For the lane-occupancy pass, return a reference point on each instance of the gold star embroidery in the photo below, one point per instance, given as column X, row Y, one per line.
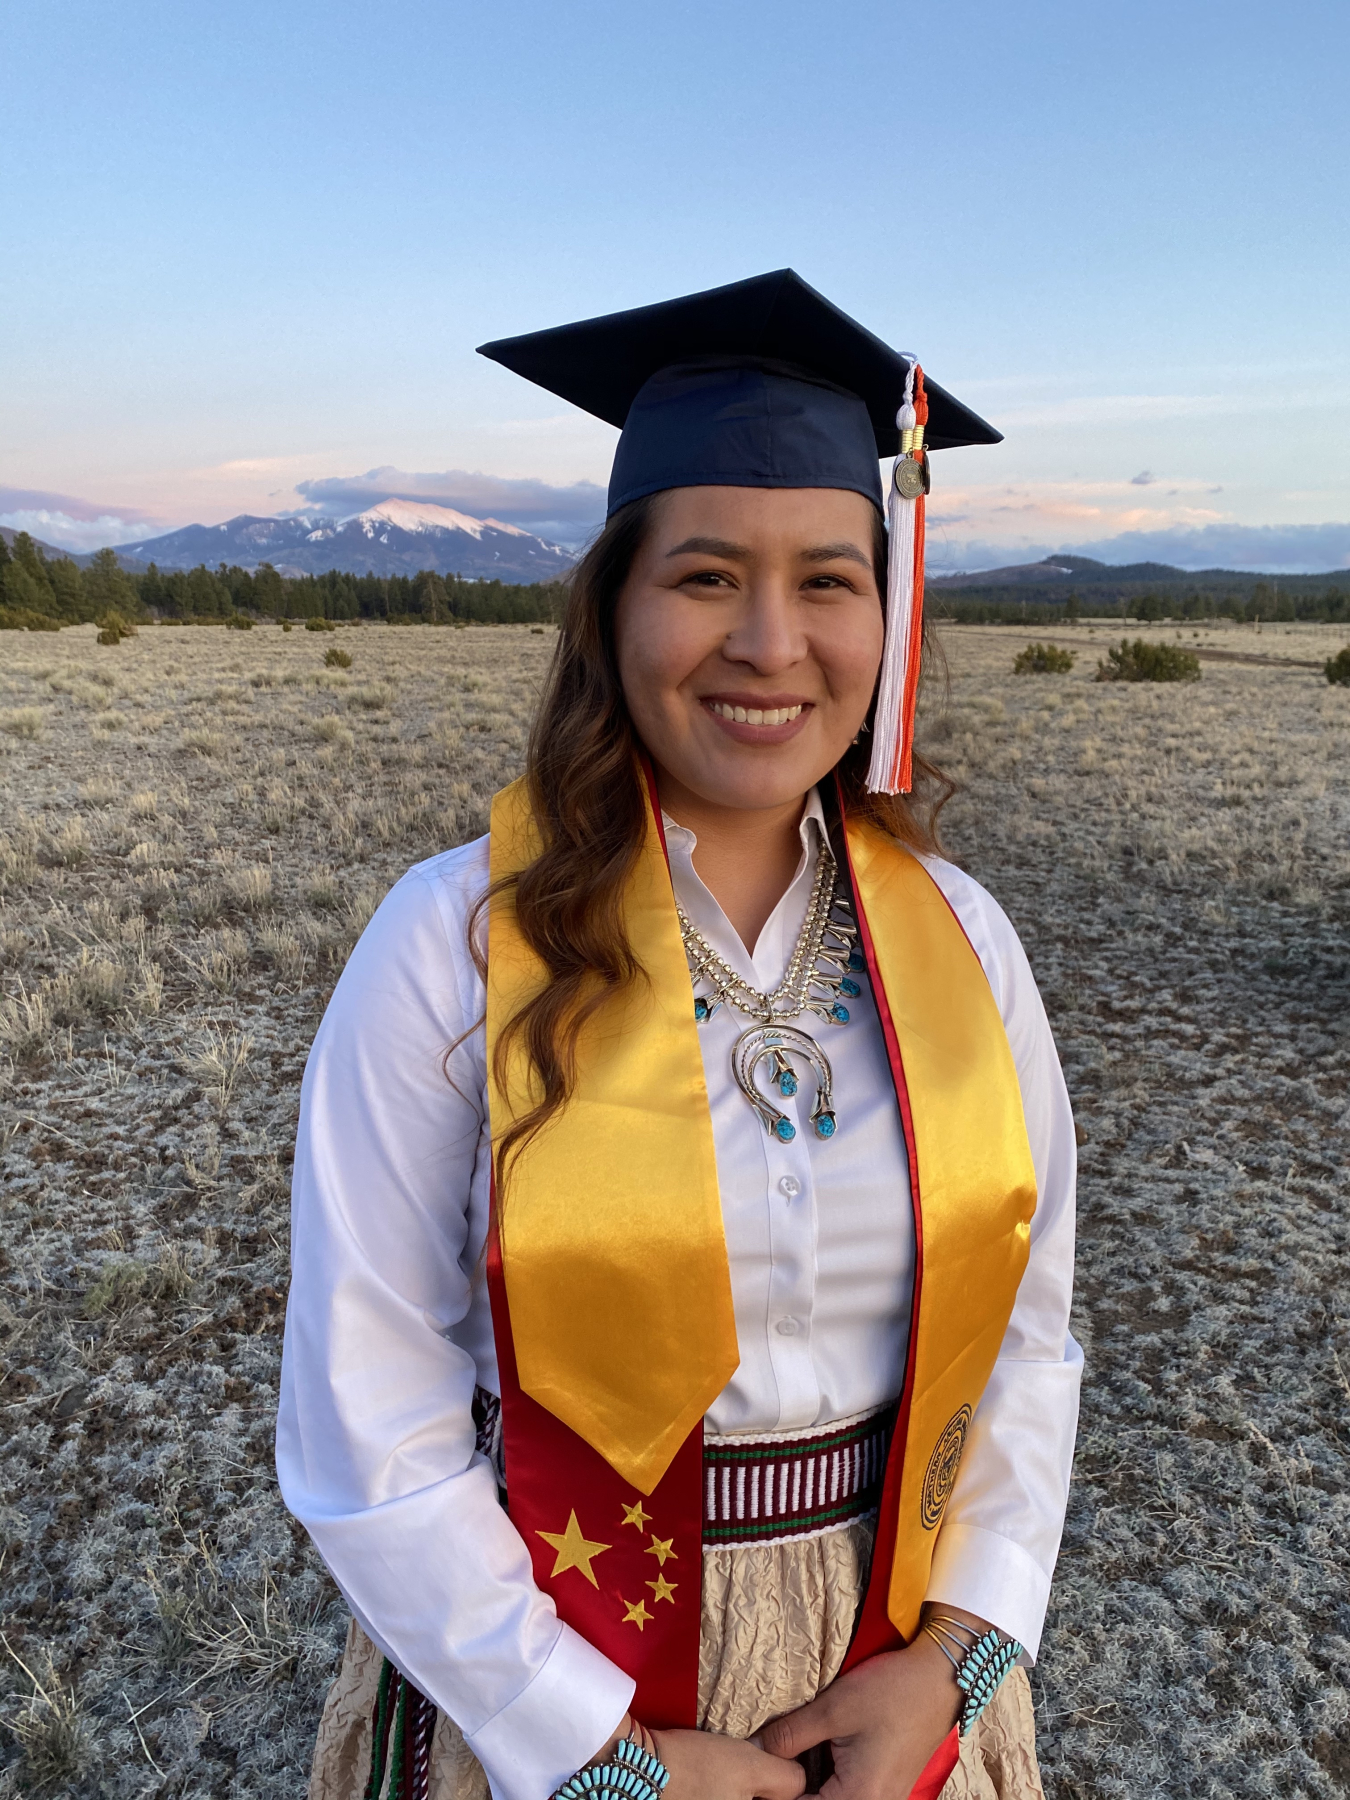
column 663, row 1589
column 660, row 1548
column 635, row 1615
column 635, row 1515
column 574, row 1550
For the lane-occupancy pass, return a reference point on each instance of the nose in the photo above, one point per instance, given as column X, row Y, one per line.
column 768, row 635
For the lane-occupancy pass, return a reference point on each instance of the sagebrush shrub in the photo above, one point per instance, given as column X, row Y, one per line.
column 337, row 659
column 320, row 625
column 1044, row 659
column 1140, row 661
column 20, row 618
column 113, row 627
column 1338, row 668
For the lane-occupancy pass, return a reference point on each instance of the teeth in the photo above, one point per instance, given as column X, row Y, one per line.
column 781, row 715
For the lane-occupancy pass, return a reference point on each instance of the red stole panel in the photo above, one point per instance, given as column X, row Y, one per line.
column 624, row 1569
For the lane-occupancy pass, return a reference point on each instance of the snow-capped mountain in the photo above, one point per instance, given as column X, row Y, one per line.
column 397, row 537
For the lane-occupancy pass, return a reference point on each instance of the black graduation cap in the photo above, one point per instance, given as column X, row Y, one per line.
column 763, row 383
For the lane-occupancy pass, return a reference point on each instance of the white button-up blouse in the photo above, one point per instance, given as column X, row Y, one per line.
column 388, row 1328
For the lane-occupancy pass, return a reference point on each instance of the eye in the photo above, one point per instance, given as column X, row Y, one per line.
column 709, row 578
column 825, row 583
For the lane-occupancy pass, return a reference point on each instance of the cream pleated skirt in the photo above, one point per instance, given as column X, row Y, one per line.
column 777, row 1620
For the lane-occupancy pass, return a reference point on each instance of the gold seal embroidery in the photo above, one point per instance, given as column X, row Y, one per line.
column 940, row 1476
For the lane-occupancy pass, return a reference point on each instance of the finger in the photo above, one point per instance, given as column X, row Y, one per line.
column 796, row 1731
column 775, row 1779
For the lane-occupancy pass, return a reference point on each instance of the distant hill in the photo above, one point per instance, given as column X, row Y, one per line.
column 50, row 551
column 1052, row 580
column 397, row 537
column 1075, row 570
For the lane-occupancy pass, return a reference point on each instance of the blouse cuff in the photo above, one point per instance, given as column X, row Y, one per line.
column 993, row 1578
column 573, row 1705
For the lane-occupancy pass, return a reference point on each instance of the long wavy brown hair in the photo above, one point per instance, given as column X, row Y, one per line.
column 585, row 788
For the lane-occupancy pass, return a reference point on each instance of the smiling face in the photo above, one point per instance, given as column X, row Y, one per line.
column 749, row 636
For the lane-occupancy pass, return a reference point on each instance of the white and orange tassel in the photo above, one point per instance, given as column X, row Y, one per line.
column 892, row 766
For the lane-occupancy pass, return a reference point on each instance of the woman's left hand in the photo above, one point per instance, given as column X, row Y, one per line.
column 883, row 1720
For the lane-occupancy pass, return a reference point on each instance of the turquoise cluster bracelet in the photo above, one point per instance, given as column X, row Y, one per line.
column 629, row 1773
column 980, row 1666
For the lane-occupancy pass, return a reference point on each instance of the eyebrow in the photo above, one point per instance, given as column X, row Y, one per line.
column 710, row 546
column 819, row 553
column 832, row 552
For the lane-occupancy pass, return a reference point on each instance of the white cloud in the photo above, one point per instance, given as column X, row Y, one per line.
column 65, row 533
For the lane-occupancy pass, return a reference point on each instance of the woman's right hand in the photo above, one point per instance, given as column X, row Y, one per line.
column 704, row 1766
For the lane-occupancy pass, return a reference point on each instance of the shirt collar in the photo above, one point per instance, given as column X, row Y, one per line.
column 813, row 815
column 765, row 968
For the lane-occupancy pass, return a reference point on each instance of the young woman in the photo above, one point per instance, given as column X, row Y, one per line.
column 677, row 1378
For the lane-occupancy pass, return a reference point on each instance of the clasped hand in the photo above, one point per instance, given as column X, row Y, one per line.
column 883, row 1720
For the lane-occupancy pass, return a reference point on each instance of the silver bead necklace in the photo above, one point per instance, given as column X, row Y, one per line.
column 820, row 977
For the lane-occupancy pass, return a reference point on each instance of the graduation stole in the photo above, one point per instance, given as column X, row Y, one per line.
column 611, row 1294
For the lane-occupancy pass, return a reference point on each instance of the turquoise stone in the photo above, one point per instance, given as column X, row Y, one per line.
column 700, row 1011
column 785, row 1131
column 855, row 960
column 787, row 1084
column 840, row 1013
column 825, row 1125
column 850, row 988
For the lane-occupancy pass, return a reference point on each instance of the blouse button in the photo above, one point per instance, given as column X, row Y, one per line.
column 788, row 1327
column 790, row 1186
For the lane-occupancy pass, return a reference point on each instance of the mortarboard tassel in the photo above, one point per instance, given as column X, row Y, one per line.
column 891, row 770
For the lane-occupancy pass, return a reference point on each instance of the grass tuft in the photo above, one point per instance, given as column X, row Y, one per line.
column 24, row 722
column 218, row 1060
column 250, row 889
column 50, row 1729
column 376, row 697
column 26, row 1025
column 202, row 743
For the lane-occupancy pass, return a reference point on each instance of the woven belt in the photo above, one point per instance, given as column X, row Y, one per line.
column 779, row 1486
column 770, row 1487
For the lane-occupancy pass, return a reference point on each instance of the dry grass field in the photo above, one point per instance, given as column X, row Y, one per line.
column 197, row 823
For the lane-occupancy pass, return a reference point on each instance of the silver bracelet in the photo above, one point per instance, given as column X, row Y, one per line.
column 628, row 1773
column 982, row 1662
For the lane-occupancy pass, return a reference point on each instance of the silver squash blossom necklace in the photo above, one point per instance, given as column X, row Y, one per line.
column 819, row 979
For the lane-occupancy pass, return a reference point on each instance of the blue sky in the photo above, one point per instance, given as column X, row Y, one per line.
column 248, row 249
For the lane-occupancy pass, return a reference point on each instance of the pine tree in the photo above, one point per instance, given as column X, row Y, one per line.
column 68, row 596
column 429, row 597
column 152, row 589
column 108, row 587
column 268, row 591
